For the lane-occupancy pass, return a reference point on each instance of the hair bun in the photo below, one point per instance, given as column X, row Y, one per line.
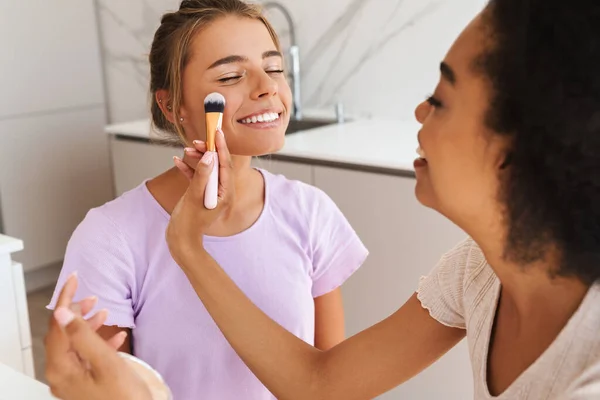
column 198, row 4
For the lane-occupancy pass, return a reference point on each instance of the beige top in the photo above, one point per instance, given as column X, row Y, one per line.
column 462, row 292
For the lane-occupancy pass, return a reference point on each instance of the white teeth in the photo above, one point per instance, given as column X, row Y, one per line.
column 421, row 153
column 266, row 117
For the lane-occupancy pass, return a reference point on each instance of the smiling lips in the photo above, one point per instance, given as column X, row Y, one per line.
column 267, row 116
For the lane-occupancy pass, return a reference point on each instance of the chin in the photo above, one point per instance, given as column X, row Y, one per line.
column 256, row 142
column 424, row 194
column 257, row 149
column 277, row 145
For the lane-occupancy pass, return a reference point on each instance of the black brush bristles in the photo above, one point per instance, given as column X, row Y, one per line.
column 214, row 103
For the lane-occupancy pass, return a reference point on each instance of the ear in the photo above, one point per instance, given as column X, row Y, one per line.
column 503, row 150
column 163, row 99
column 507, row 160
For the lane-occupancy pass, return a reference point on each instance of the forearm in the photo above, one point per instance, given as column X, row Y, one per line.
column 285, row 364
column 329, row 320
column 362, row 367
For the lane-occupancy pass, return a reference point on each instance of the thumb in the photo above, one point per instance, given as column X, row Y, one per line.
column 86, row 342
column 201, row 175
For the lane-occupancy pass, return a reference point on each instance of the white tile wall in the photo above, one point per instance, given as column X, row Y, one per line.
column 50, row 56
column 378, row 57
column 54, row 161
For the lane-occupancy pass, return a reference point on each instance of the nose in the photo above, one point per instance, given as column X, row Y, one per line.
column 265, row 86
column 422, row 111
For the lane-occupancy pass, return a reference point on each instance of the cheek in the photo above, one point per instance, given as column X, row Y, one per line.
column 463, row 181
column 447, row 156
column 285, row 92
column 232, row 104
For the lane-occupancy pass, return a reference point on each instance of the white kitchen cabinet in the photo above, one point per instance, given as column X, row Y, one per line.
column 405, row 241
column 135, row 161
column 15, row 335
column 291, row 170
column 53, row 169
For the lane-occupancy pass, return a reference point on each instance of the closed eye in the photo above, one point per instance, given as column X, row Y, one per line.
column 229, row 79
column 434, row 102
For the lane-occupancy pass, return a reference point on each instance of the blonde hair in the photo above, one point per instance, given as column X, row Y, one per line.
column 170, row 51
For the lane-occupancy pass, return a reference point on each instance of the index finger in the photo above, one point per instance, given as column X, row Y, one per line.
column 65, row 298
column 56, row 343
column 225, row 164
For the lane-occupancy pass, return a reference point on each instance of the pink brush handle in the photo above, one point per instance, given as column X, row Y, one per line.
column 212, row 187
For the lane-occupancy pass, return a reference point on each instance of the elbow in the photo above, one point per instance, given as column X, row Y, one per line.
column 314, row 385
column 319, row 387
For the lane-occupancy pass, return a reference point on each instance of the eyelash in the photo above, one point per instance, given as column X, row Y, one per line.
column 228, row 79
column 231, row 78
column 434, row 102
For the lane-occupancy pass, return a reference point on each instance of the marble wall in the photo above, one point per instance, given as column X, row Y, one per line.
column 378, row 57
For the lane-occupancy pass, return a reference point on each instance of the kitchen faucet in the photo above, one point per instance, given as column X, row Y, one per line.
column 295, row 58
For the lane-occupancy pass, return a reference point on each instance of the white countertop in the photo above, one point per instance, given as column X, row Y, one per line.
column 389, row 144
column 10, row 245
column 141, row 128
column 16, row 386
column 374, row 143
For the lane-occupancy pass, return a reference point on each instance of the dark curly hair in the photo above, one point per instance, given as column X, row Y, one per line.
column 544, row 69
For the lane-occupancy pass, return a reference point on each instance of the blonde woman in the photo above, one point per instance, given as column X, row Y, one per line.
column 285, row 243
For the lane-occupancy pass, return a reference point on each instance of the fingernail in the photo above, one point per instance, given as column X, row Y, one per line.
column 207, row 159
column 73, row 275
column 176, row 159
column 220, row 132
column 93, row 299
column 63, row 316
column 197, row 142
column 189, row 150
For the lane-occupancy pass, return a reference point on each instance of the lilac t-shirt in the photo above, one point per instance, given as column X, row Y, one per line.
column 301, row 247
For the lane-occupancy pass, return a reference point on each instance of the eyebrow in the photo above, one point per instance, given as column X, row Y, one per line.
column 447, row 73
column 240, row 59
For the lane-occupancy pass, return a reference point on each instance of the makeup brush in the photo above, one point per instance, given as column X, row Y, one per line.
column 214, row 106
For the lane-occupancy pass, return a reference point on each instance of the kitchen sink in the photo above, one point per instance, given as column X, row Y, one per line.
column 307, row 123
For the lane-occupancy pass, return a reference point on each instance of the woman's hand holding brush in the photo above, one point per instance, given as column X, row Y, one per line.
column 190, row 219
column 191, row 158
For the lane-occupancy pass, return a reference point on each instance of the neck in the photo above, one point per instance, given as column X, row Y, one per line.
column 532, row 290
column 244, row 179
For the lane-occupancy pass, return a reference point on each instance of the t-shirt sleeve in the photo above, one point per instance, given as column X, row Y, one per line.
column 441, row 292
column 99, row 253
column 337, row 251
